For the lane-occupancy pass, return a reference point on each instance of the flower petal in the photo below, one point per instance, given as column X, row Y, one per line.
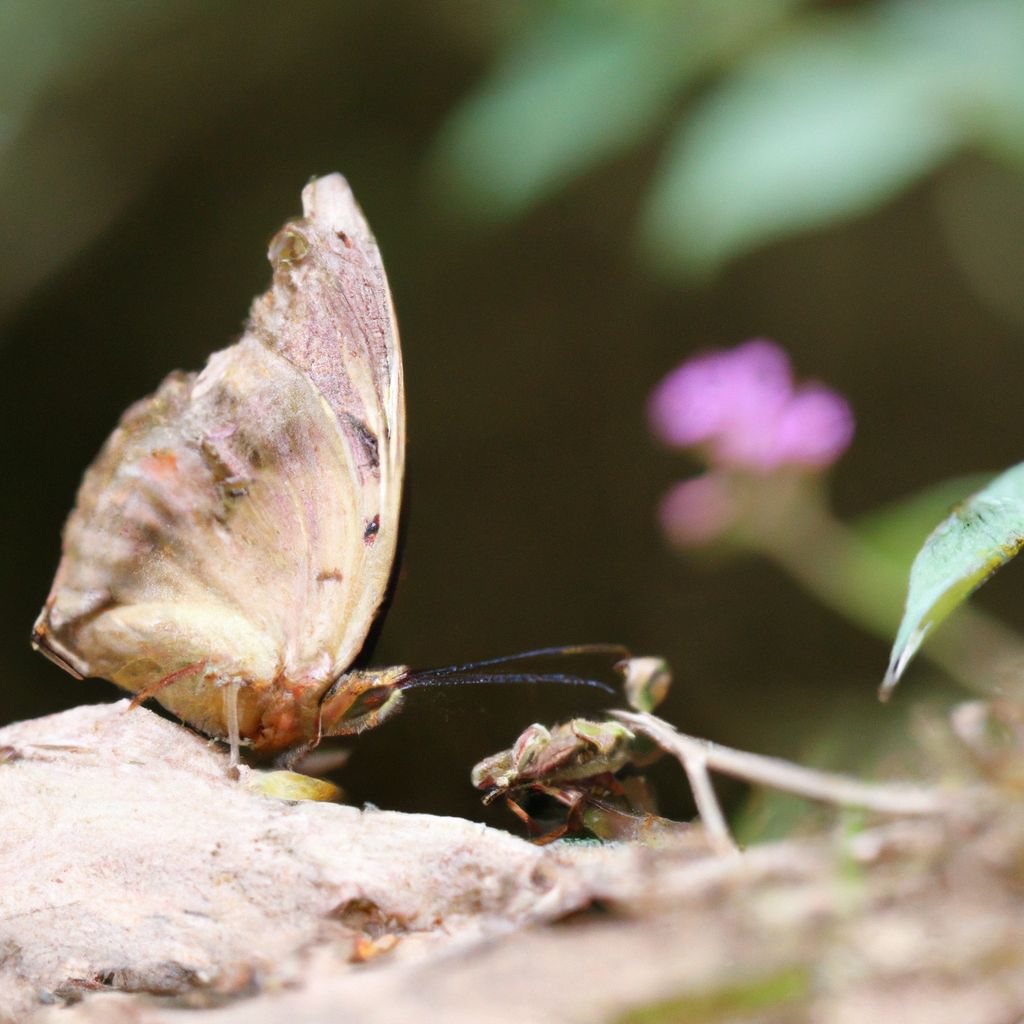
column 697, row 511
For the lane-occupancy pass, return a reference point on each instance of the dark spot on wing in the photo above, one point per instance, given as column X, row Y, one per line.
column 371, row 531
column 366, row 440
column 234, row 487
column 226, row 468
column 331, row 575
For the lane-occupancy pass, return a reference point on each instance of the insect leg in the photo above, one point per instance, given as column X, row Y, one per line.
column 516, row 808
column 162, row 684
column 231, row 718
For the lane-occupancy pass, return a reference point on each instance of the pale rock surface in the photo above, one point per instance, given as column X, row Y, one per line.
column 131, row 860
column 141, row 885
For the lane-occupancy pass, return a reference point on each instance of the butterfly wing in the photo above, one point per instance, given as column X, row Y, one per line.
column 239, row 527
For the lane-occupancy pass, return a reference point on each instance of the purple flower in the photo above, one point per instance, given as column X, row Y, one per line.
column 743, row 408
column 697, row 511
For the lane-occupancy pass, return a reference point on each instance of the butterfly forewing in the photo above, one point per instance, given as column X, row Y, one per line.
column 240, row 525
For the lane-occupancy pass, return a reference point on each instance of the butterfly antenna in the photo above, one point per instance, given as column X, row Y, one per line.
column 450, row 677
column 617, row 651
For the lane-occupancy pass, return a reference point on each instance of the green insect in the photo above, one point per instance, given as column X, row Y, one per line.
column 581, row 765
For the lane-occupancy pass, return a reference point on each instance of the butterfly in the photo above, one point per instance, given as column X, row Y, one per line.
column 233, row 543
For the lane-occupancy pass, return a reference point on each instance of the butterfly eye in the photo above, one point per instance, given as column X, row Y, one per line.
column 287, row 247
column 347, row 707
column 374, row 698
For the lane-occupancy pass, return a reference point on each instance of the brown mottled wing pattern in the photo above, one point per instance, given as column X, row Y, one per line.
column 241, row 524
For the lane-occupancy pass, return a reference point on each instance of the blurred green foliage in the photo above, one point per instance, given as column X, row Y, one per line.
column 580, row 82
column 762, row 119
column 774, row 116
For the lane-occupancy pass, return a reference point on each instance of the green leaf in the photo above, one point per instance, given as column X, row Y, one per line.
column 898, row 529
column 975, row 540
column 582, row 83
column 827, row 122
column 982, row 45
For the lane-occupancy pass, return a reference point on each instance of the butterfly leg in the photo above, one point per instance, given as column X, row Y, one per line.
column 288, row 760
column 162, row 684
column 230, row 691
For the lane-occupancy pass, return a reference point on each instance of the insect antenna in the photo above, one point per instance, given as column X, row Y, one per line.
column 618, row 651
column 417, row 679
column 501, row 670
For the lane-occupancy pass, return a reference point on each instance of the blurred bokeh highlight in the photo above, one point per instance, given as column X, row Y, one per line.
column 572, row 199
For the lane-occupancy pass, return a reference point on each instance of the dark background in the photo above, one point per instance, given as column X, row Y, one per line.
column 153, row 155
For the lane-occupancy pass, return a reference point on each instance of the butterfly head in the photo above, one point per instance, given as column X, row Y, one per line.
column 361, row 700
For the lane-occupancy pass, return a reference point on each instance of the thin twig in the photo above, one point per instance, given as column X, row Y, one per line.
column 828, row 787
column 710, row 811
